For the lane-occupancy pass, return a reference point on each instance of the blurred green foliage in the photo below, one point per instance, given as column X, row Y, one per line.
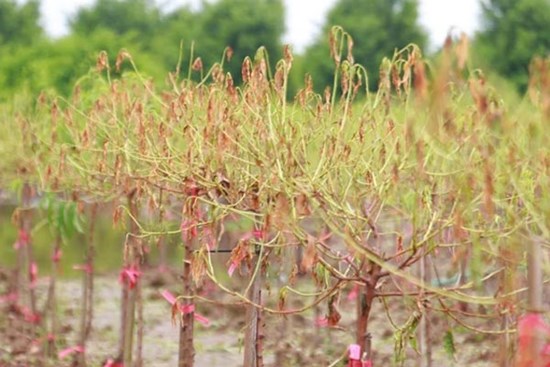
column 43, row 240
column 243, row 25
column 140, row 19
column 513, row 32
column 19, row 25
column 161, row 42
column 378, row 27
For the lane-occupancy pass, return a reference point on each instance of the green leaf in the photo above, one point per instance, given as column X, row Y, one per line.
column 77, row 223
column 69, row 213
column 58, row 211
column 449, row 344
column 72, row 220
column 16, row 186
column 405, row 335
column 414, row 343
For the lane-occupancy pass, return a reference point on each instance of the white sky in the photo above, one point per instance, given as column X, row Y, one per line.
column 304, row 17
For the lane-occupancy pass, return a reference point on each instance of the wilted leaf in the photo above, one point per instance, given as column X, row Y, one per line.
column 310, row 254
column 198, row 268
column 281, row 211
column 334, row 318
column 302, row 205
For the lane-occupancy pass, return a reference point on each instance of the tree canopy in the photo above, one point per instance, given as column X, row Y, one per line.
column 513, row 32
column 19, row 24
column 243, row 25
column 140, row 17
column 378, row 27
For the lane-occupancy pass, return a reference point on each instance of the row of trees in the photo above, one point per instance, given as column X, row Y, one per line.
column 513, row 31
column 415, row 200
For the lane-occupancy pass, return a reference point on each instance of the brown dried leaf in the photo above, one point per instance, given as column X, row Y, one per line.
column 198, row 268
column 281, row 211
column 302, row 205
column 462, row 51
column 102, row 62
column 310, row 255
column 175, row 312
column 122, row 55
column 228, row 53
column 350, row 50
column 246, row 70
column 239, row 253
column 334, row 315
column 117, row 215
column 197, row 64
column 420, row 79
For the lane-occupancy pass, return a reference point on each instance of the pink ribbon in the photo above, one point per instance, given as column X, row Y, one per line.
column 23, row 239
column 33, row 273
column 111, row 363
column 71, row 350
column 352, row 295
column 532, row 326
column 321, row 322
column 188, row 229
column 355, row 360
column 185, row 309
column 232, row 268
column 258, row 234
column 129, row 276
column 29, row 316
column 57, row 255
column 10, row 297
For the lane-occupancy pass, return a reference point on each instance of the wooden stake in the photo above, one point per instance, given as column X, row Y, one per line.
column 424, row 327
column 253, row 356
column 132, row 259
column 88, row 289
column 186, row 347
column 534, row 296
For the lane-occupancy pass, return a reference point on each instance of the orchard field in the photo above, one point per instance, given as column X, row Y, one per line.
column 204, row 221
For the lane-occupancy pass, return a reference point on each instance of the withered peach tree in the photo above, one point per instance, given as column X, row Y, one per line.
column 418, row 196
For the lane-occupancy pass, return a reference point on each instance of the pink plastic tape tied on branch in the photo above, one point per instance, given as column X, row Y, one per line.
column 355, row 360
column 185, row 309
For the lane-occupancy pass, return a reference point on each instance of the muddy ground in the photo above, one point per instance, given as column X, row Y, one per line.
column 291, row 341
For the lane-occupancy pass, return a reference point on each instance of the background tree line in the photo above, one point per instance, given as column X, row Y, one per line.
column 512, row 32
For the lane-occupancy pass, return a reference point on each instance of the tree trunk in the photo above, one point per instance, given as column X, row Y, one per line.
column 424, row 329
column 23, row 271
column 367, row 294
column 88, row 289
column 139, row 342
column 253, row 356
column 51, row 304
column 534, row 297
column 132, row 260
column 186, row 347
